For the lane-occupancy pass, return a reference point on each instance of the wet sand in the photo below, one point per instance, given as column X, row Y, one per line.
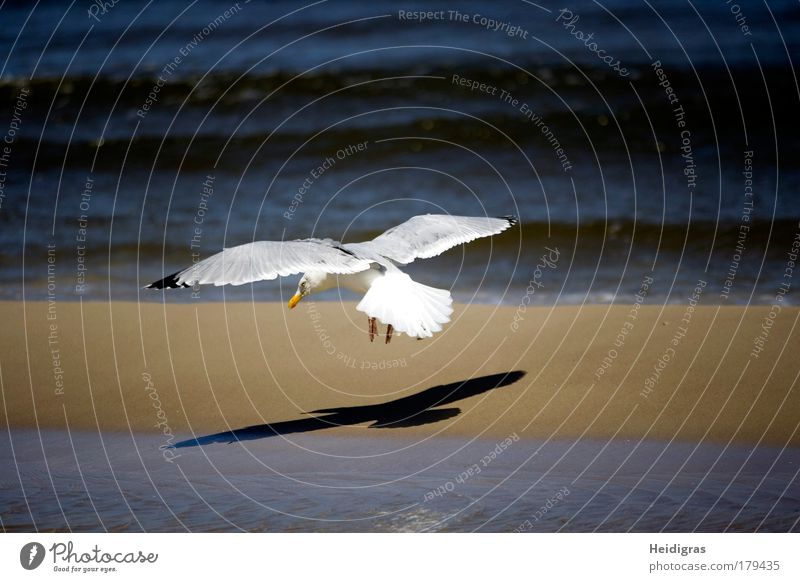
column 85, row 481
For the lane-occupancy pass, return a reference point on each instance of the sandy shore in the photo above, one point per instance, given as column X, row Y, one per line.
column 596, row 371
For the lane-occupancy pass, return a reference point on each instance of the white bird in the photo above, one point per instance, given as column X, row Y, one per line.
column 370, row 267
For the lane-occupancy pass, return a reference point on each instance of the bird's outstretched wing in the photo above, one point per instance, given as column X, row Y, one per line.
column 266, row 260
column 429, row 235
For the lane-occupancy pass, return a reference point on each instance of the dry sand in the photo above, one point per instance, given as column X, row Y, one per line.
column 209, row 367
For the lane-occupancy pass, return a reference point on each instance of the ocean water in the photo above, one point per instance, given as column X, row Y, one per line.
column 85, row 481
column 150, row 134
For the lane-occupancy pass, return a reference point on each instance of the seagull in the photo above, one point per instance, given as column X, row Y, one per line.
column 369, row 267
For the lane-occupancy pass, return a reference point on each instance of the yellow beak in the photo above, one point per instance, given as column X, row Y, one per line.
column 295, row 300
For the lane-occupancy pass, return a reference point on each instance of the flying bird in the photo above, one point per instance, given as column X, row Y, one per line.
column 369, row 267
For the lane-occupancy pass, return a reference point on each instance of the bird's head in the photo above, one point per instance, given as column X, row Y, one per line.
column 309, row 283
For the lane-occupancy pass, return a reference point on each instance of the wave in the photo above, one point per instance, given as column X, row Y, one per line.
column 668, row 237
column 204, row 112
column 232, row 88
column 613, row 235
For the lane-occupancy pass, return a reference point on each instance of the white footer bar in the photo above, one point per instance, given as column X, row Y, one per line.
column 376, row 557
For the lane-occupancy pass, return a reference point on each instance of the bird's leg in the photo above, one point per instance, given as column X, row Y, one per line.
column 373, row 328
column 389, row 331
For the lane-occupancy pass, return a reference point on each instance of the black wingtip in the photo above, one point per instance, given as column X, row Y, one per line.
column 512, row 220
column 169, row 282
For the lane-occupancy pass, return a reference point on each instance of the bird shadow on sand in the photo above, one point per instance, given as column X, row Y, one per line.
column 414, row 410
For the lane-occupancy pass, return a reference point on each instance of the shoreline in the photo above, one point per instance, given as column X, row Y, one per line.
column 589, row 372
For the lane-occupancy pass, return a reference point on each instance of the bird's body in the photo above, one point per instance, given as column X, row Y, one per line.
column 369, row 267
column 356, row 282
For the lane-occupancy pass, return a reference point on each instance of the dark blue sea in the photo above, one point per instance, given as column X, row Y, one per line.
column 640, row 139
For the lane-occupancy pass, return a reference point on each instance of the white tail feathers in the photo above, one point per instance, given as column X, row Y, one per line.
column 411, row 308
